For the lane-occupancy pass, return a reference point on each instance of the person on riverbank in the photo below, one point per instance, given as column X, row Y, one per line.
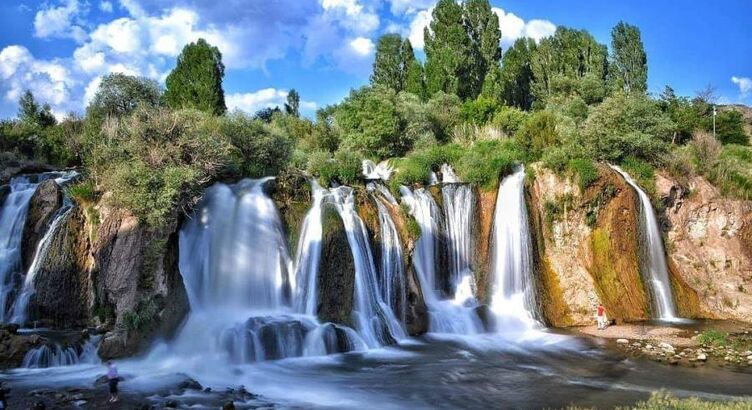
column 112, row 380
column 600, row 317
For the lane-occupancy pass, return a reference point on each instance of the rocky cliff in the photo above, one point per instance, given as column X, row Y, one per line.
column 709, row 244
column 47, row 199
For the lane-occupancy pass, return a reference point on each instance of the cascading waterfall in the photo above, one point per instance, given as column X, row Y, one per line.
column 514, row 292
column 57, row 355
column 454, row 315
column 374, row 171
column 308, row 254
column 20, row 307
column 459, row 203
column 12, row 220
column 375, row 320
column 392, row 283
column 241, row 284
column 653, row 261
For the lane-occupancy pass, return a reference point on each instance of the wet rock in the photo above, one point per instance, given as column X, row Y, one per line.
column 336, row 276
column 702, row 357
column 487, row 318
column 171, row 404
column 190, row 384
column 45, row 201
column 667, row 348
column 228, row 405
column 622, row 341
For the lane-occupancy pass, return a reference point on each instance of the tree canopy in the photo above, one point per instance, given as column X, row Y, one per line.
column 196, row 81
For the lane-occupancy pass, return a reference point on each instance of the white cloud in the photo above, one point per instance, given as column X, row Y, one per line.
column 513, row 27
column 267, row 97
column 409, row 6
column 50, row 81
column 744, row 84
column 61, row 21
column 363, row 46
column 417, row 26
column 105, row 6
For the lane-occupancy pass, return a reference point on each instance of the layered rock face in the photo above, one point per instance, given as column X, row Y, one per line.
column 46, row 200
column 587, row 248
column 336, row 276
column 709, row 244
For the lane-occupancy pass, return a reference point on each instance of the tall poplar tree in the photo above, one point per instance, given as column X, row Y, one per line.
column 517, row 74
column 412, row 73
column 196, row 81
column 482, row 26
column 629, row 63
column 387, row 65
column 448, row 51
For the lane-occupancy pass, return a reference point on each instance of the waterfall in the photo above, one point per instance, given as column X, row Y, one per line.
column 454, row 315
column 653, row 261
column 375, row 320
column 459, row 206
column 43, row 248
column 372, row 171
column 57, row 355
column 12, row 220
column 513, row 299
column 308, row 254
column 247, row 302
column 392, row 283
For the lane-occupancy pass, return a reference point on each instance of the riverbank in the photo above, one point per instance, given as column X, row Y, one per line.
column 724, row 343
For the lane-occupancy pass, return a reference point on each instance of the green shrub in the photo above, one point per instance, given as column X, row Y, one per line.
column 343, row 168
column 713, row 337
column 143, row 317
column 416, row 167
column 538, row 133
column 484, row 162
column 733, row 171
column 262, row 150
column 509, row 119
column 642, row 172
column 83, row 191
column 478, row 111
column 585, row 171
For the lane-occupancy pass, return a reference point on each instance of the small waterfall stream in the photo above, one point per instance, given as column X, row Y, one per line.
column 459, row 205
column 308, row 254
column 57, row 355
column 513, row 299
column 653, row 261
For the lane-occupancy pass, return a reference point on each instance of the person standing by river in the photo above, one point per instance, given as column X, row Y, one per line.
column 112, row 380
column 600, row 316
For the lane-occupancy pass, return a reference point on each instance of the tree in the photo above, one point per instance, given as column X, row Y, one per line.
column 482, row 26
column 413, row 81
column 119, row 94
column 292, row 106
column 266, row 114
column 30, row 113
column 730, row 127
column 628, row 68
column 516, row 75
column 196, row 81
column 387, row 65
column 448, row 51
column 561, row 61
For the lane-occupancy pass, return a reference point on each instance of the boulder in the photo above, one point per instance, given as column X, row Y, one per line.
column 336, row 276
column 622, row 341
column 44, row 203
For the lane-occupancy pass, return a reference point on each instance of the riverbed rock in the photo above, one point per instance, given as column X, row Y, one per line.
column 336, row 276
column 14, row 346
column 702, row 357
column 622, row 341
column 44, row 203
column 709, row 245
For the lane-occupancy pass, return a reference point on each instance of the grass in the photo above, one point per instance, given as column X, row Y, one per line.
column 584, row 170
column 713, row 337
column 733, row 171
column 662, row 400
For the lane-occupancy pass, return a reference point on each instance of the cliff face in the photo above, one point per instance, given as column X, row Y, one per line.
column 709, row 245
column 336, row 276
column 44, row 203
column 484, row 221
column 586, row 246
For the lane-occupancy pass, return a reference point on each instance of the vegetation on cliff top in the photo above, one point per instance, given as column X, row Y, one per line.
column 567, row 101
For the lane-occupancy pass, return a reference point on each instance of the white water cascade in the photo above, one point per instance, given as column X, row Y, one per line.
column 57, row 355
column 513, row 300
column 12, row 220
column 308, row 254
column 373, row 171
column 459, row 205
column 393, row 285
column 241, row 285
column 653, row 261
column 453, row 315
column 376, row 322
column 43, row 248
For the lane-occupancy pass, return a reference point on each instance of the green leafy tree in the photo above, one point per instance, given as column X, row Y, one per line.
column 196, row 81
column 492, row 85
column 119, row 94
column 729, row 125
column 628, row 68
column 30, row 112
column 292, row 106
column 538, row 133
column 482, row 26
column 387, row 65
column 516, row 75
column 413, row 78
column 448, row 52
column 479, row 111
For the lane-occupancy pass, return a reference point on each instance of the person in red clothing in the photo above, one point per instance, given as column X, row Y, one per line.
column 601, row 316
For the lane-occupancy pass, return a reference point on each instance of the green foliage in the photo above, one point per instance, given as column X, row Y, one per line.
column 143, row 317
column 119, row 94
column 642, row 172
column 478, row 111
column 416, row 167
column 444, row 112
column 196, row 81
column 343, row 168
column 292, row 106
column 509, row 119
column 30, row 113
column 83, row 191
column 729, row 125
column 484, row 162
column 628, row 68
column 627, row 126
column 713, row 337
column 262, row 150
column 450, row 61
column 687, row 115
column 482, row 26
column 388, row 70
column 517, row 74
column 538, row 133
column 585, row 171
column 733, row 171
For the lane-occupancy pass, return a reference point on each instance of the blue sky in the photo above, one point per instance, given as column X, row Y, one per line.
column 61, row 48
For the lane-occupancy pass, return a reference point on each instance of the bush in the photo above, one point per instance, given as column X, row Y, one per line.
column 83, row 191
column 262, row 150
column 509, row 119
column 444, row 113
column 713, row 337
column 730, row 127
column 344, row 168
column 642, row 172
column 706, row 150
column 416, row 167
column 538, row 133
column 733, row 172
column 478, row 111
column 484, row 162
column 585, row 171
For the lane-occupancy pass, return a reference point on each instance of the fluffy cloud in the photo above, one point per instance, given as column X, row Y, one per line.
column 50, row 80
column 362, row 46
column 744, row 84
column 267, row 97
column 61, row 21
column 105, row 6
column 409, row 6
column 513, row 27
